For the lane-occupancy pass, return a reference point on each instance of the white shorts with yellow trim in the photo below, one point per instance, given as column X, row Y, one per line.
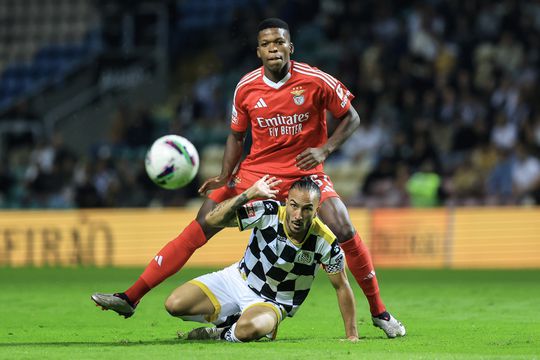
column 230, row 294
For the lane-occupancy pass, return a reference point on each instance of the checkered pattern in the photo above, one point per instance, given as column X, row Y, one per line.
column 277, row 268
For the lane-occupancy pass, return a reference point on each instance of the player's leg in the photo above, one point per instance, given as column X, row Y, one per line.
column 172, row 257
column 169, row 260
column 255, row 322
column 231, row 296
column 190, row 300
column 335, row 215
column 210, row 299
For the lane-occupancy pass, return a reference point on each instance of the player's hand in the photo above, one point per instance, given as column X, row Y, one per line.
column 265, row 188
column 212, row 183
column 311, row 157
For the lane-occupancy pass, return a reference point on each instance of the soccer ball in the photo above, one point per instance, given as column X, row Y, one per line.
column 172, row 162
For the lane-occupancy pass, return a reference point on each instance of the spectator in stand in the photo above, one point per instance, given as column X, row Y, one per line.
column 526, row 176
column 499, row 182
column 504, row 133
column 424, row 186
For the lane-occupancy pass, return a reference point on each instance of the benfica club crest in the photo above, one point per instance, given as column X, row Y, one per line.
column 298, row 95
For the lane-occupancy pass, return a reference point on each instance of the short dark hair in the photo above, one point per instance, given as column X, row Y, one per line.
column 306, row 183
column 272, row 23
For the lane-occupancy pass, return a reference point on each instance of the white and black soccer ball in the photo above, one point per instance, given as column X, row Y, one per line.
column 172, row 162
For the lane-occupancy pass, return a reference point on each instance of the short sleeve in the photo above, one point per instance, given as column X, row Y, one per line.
column 333, row 260
column 257, row 214
column 337, row 98
column 239, row 116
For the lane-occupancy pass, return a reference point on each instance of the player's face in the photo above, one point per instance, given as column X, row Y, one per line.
column 301, row 208
column 274, row 48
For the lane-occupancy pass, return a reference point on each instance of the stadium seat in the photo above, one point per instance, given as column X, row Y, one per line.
column 51, row 38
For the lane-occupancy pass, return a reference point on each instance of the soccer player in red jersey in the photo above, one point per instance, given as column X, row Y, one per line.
column 284, row 102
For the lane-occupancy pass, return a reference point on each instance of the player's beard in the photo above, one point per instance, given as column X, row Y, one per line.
column 298, row 228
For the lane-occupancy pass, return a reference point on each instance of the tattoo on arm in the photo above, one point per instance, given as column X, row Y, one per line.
column 224, row 213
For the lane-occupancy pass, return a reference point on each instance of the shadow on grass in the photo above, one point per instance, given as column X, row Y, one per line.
column 290, row 340
column 94, row 343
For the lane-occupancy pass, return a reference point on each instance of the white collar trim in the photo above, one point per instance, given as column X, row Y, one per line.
column 280, row 83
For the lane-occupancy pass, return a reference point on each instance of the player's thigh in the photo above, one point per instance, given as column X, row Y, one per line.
column 335, row 215
column 189, row 299
column 257, row 321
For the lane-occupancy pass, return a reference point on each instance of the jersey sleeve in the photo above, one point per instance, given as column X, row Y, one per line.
column 257, row 214
column 239, row 116
column 333, row 260
column 337, row 98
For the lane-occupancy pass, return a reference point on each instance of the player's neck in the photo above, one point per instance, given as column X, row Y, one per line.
column 276, row 76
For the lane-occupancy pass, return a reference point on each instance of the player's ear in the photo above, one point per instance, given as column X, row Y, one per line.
column 258, row 52
column 291, row 47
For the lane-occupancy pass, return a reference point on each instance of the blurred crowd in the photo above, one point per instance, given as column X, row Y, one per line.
column 447, row 91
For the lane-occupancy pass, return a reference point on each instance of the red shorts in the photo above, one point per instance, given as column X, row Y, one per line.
column 242, row 180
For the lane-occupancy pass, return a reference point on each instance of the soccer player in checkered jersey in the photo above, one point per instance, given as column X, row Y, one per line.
column 285, row 103
column 287, row 246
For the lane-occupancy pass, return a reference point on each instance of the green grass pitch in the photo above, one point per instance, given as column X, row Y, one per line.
column 47, row 314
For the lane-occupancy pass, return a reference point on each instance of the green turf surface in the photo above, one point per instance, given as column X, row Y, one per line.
column 47, row 314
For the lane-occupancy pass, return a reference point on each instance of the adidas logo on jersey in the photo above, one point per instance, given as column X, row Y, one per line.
column 260, row 104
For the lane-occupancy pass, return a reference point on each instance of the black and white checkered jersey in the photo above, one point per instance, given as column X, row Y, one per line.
column 277, row 267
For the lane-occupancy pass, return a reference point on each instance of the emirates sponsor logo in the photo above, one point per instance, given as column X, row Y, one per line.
column 283, row 124
column 279, row 120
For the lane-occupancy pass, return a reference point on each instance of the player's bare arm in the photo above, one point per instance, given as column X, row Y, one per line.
column 312, row 157
column 346, row 303
column 231, row 158
column 224, row 214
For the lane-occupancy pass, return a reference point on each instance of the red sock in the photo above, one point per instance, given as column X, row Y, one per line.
column 361, row 266
column 168, row 261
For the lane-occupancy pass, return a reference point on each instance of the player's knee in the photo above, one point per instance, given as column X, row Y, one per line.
column 247, row 330
column 343, row 231
column 175, row 306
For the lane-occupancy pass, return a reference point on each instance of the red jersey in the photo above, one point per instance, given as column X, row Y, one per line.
column 286, row 117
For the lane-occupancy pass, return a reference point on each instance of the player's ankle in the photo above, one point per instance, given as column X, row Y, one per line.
column 385, row 315
column 125, row 297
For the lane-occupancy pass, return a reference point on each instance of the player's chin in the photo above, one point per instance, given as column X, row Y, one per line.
column 275, row 64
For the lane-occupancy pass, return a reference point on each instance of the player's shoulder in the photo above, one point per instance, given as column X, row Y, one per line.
column 315, row 74
column 265, row 207
column 322, row 231
column 271, row 207
column 250, row 77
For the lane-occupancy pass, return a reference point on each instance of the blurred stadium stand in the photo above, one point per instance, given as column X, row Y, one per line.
column 447, row 92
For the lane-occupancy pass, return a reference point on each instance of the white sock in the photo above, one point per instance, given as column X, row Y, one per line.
column 229, row 335
column 197, row 318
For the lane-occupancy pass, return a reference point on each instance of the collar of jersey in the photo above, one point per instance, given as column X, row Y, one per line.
column 282, row 215
column 280, row 83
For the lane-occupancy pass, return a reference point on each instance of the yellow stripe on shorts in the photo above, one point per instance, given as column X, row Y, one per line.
column 271, row 306
column 211, row 296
